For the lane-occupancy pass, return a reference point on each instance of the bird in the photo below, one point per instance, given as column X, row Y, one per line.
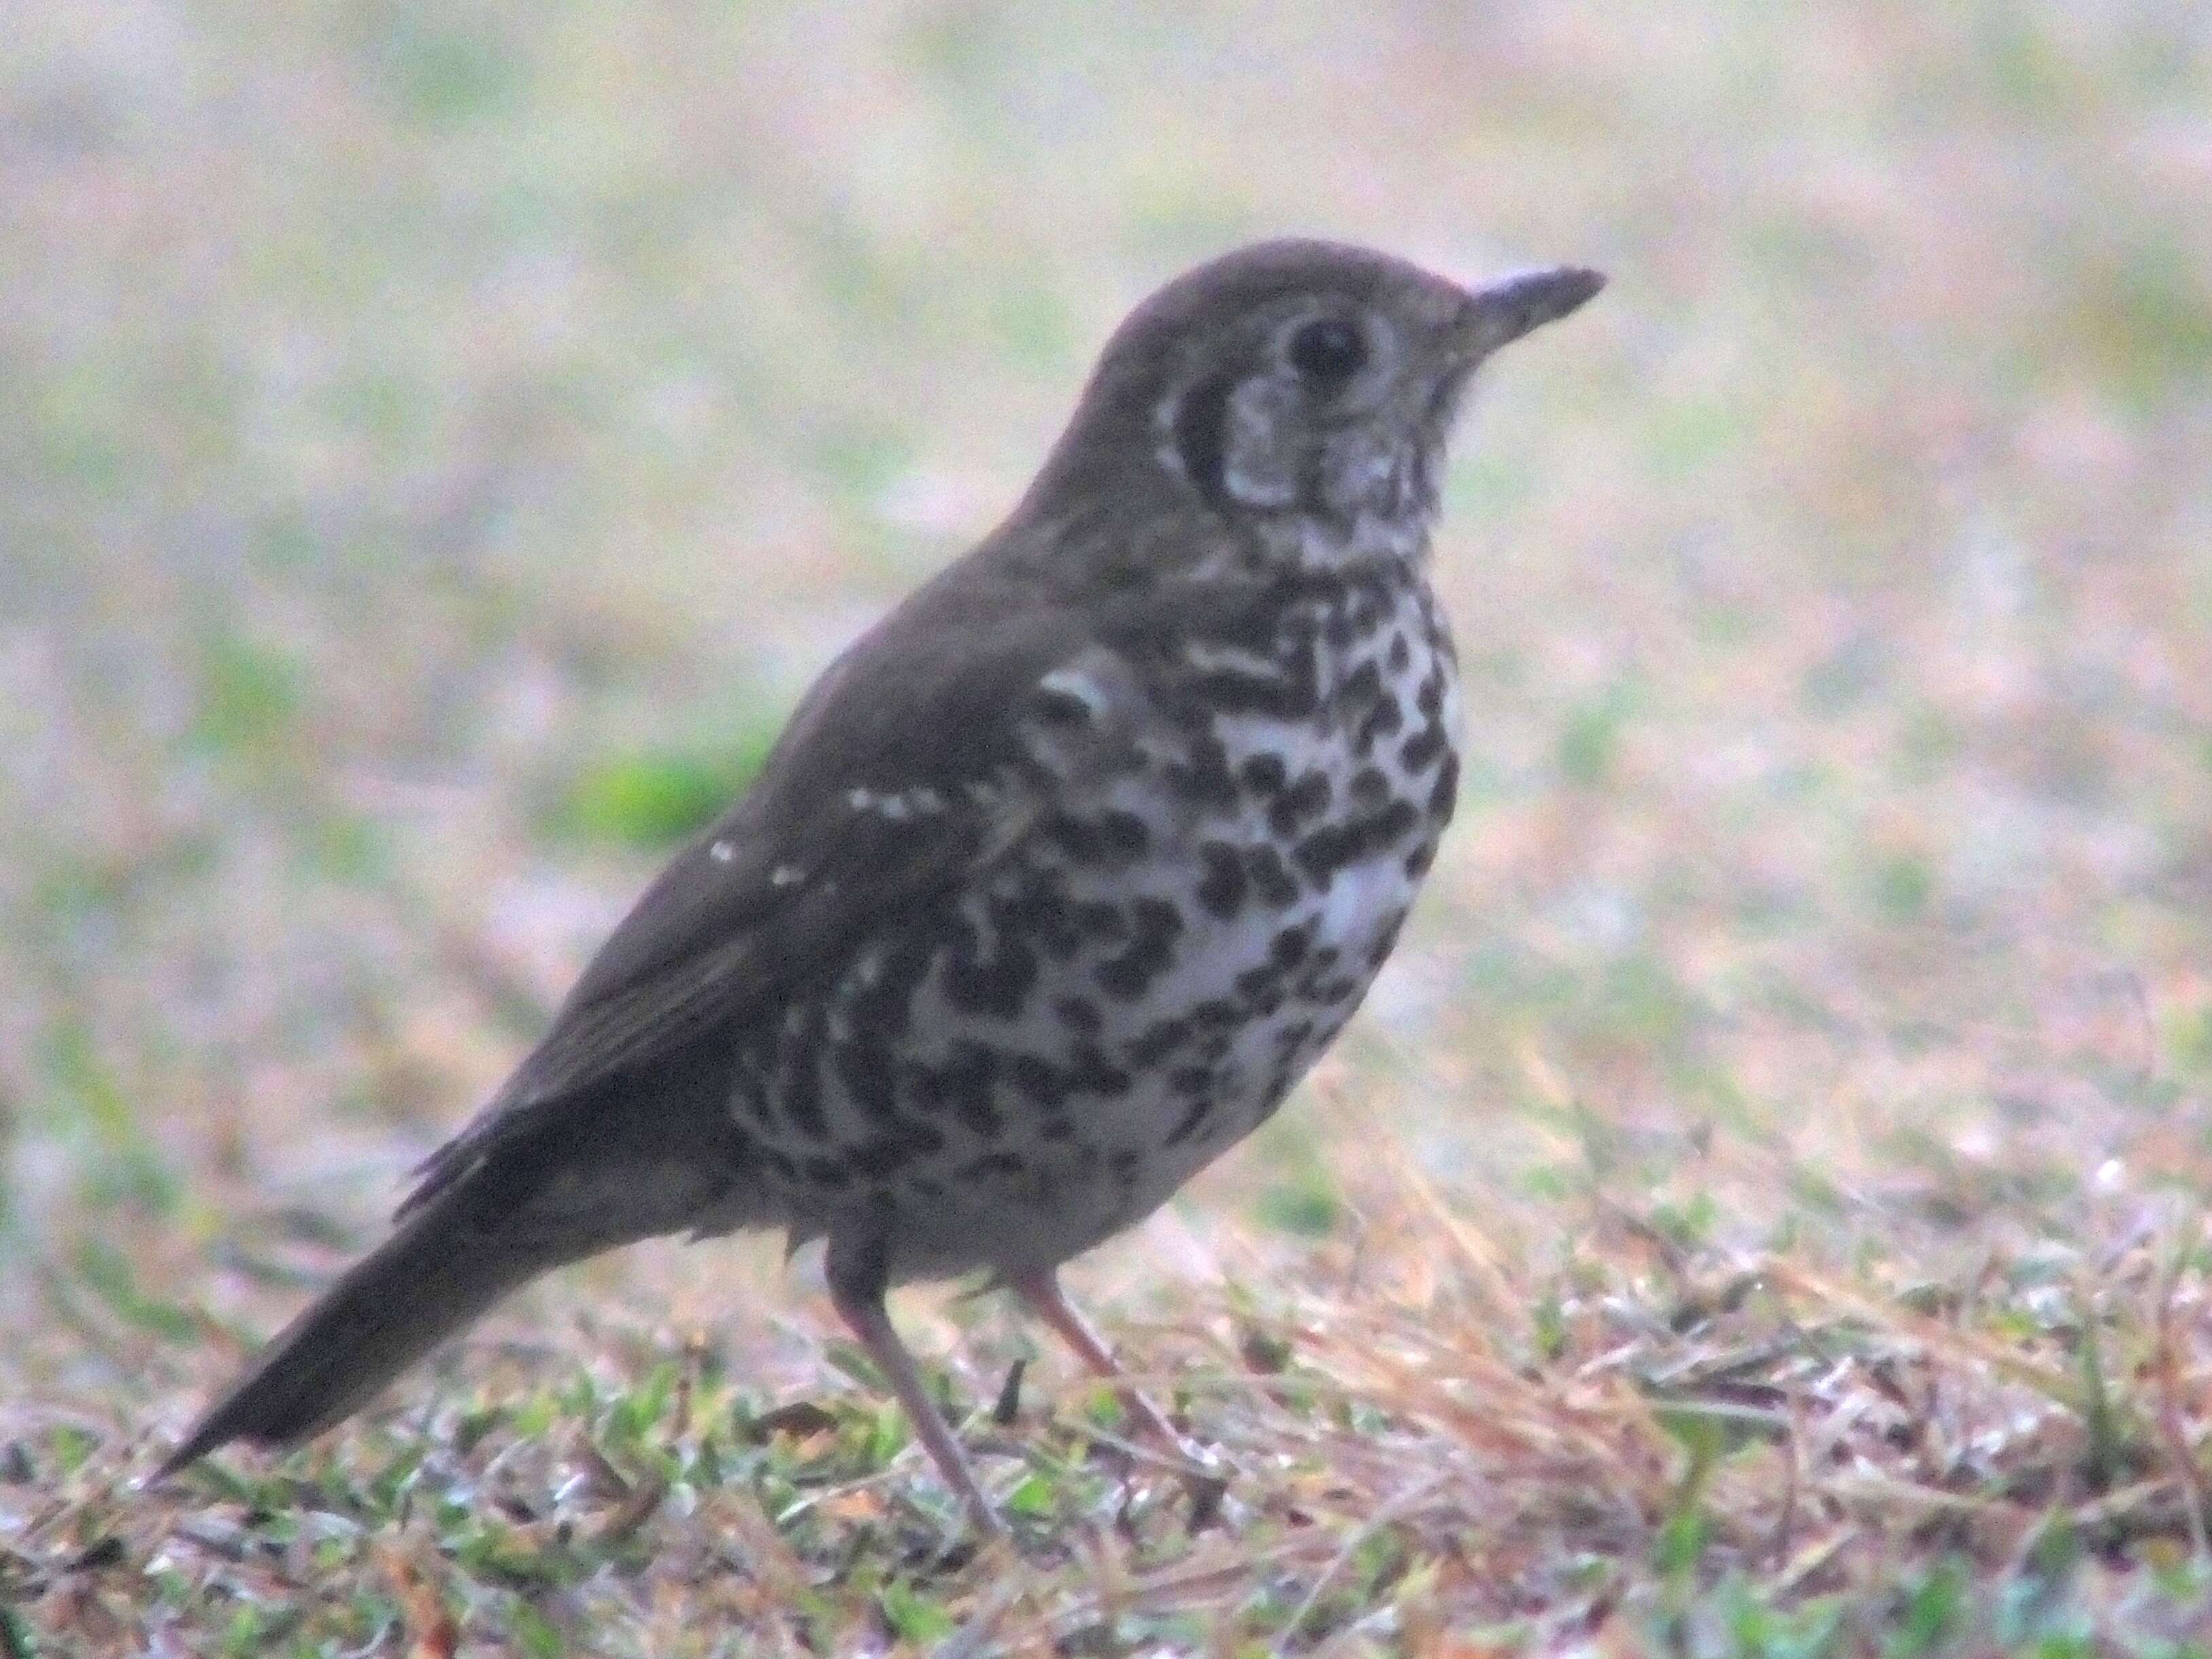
column 1055, row 883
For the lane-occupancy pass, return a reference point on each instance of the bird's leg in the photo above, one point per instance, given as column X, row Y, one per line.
column 1049, row 1303
column 856, row 1288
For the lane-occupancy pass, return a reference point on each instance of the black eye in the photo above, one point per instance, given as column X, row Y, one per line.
column 1328, row 352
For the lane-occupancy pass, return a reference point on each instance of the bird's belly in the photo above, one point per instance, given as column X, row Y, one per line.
column 1100, row 1103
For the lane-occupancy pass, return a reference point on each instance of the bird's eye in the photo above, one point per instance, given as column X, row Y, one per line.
column 1328, row 352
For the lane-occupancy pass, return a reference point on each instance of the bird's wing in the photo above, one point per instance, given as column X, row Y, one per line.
column 908, row 766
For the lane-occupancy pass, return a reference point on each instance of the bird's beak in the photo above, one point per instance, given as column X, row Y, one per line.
column 1500, row 313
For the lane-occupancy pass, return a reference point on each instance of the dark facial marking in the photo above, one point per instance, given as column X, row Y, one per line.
column 1202, row 434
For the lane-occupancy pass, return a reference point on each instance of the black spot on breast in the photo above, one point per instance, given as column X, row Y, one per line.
column 1156, row 918
column 1102, row 919
column 1445, row 795
column 1256, row 985
column 1419, row 752
column 1157, row 1041
column 977, row 1114
column 1039, row 912
column 1307, row 798
column 999, row 985
column 1321, row 854
column 1204, row 778
column 962, row 1085
column 1156, row 925
column 1360, row 689
column 824, row 1171
column 1419, row 860
column 1123, row 835
column 1075, row 837
column 1289, row 947
column 1079, row 1014
column 1090, row 1073
column 957, row 933
column 1271, row 878
column 1265, row 775
column 1221, row 887
column 1213, row 1014
column 1369, row 788
column 1114, row 837
column 1389, row 826
column 1036, row 1080
column 1400, row 653
column 991, row 1164
column 1383, row 720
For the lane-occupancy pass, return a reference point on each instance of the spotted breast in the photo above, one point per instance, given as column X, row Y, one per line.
column 1239, row 819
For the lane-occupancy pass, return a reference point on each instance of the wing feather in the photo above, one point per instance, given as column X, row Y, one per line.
column 901, row 772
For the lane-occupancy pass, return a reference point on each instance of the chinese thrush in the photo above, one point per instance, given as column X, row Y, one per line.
column 1057, row 881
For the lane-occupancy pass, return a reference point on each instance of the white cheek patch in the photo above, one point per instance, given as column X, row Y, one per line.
column 1259, row 460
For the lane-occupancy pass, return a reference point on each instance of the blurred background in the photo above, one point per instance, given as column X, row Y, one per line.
column 437, row 444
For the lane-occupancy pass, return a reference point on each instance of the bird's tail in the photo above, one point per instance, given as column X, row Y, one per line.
column 498, row 1210
column 447, row 1264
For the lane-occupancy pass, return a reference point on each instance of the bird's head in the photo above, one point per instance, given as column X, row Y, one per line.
column 1303, row 388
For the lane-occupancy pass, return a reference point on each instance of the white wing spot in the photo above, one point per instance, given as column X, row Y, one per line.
column 722, row 851
column 786, row 875
column 1074, row 683
column 1208, row 658
column 897, row 805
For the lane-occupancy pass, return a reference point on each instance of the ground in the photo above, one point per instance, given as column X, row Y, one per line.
column 1761, row 1211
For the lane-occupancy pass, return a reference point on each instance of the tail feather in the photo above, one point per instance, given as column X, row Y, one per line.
column 655, row 1153
column 435, row 1275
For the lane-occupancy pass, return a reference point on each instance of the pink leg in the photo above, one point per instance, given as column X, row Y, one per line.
column 1050, row 1303
column 859, row 1301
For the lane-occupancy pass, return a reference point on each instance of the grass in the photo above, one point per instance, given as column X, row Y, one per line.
column 1759, row 1213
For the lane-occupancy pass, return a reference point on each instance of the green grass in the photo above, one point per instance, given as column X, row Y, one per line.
column 1759, row 1214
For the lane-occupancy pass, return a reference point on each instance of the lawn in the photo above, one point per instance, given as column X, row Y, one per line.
column 1759, row 1210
